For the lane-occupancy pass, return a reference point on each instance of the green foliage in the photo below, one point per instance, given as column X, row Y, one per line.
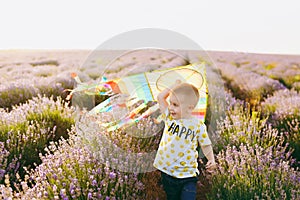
column 253, row 172
column 25, row 140
column 291, row 127
column 296, row 86
column 239, row 64
column 254, row 160
column 53, row 118
column 269, row 66
column 284, row 115
column 18, row 93
column 243, row 126
column 71, row 171
column 15, row 95
column 46, row 62
column 288, row 81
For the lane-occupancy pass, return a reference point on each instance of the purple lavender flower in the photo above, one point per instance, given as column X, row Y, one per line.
column 2, row 173
column 112, row 175
column 94, row 182
column 90, row 196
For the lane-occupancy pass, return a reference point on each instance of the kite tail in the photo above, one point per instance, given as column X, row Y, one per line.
column 128, row 117
column 102, row 88
column 129, row 120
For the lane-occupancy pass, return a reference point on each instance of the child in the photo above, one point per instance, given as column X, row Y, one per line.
column 177, row 154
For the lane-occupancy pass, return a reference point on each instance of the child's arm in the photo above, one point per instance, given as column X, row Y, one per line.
column 209, row 154
column 162, row 97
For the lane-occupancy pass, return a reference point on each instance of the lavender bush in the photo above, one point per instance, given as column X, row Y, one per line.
column 130, row 148
column 3, row 160
column 254, row 172
column 287, row 73
column 219, row 103
column 243, row 126
column 248, row 85
column 70, row 171
column 219, row 99
column 283, row 104
column 73, row 170
column 254, row 159
column 284, row 110
column 288, row 76
column 18, row 92
column 296, row 86
column 28, row 129
column 56, row 86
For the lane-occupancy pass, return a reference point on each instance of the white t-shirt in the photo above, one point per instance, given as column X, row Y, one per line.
column 177, row 154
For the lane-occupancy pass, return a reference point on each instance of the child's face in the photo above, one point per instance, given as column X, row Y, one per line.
column 179, row 107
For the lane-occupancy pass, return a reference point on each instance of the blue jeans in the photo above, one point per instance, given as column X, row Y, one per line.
column 179, row 188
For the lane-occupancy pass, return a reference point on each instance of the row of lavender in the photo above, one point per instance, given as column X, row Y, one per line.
column 278, row 103
column 254, row 157
column 262, row 140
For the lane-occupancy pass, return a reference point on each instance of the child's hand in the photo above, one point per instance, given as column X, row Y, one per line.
column 211, row 166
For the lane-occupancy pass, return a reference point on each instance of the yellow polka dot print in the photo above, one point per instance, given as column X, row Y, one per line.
column 180, row 154
column 177, row 154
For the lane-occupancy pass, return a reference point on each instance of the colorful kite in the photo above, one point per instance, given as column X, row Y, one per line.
column 135, row 94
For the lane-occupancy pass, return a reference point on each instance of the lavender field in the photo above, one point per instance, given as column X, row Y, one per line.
column 253, row 119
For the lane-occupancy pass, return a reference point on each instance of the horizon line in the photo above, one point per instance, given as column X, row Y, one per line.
column 86, row 49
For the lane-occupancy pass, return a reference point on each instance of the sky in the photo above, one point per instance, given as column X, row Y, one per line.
column 256, row 26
